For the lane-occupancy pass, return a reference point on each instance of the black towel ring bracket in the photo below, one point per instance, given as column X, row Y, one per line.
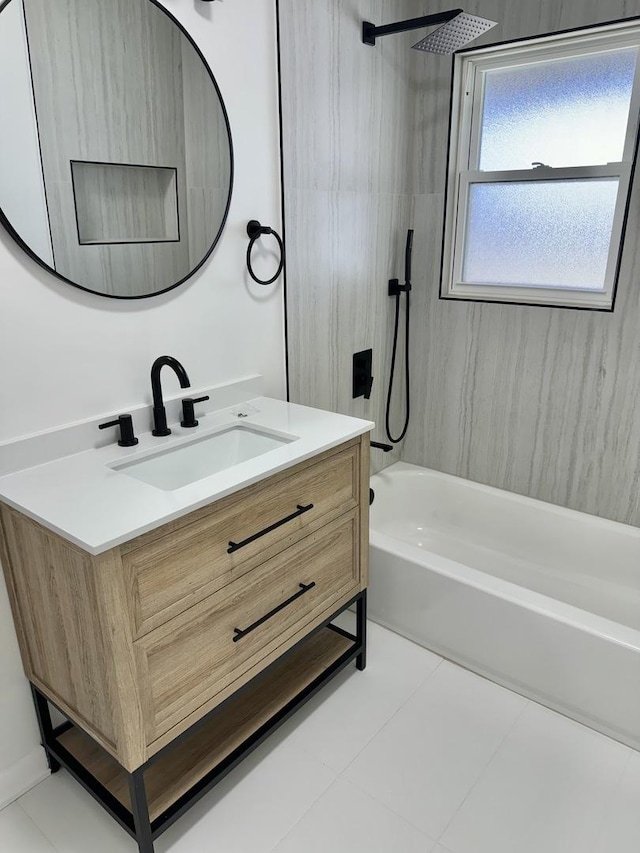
column 255, row 230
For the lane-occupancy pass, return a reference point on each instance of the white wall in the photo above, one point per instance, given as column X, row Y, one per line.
column 21, row 183
column 67, row 355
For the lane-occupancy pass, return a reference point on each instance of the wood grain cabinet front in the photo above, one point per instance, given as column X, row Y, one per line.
column 171, row 570
column 137, row 644
column 188, row 661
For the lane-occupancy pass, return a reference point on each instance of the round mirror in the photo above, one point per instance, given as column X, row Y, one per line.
column 116, row 163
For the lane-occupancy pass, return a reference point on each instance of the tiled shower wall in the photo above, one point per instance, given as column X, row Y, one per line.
column 541, row 401
column 348, row 197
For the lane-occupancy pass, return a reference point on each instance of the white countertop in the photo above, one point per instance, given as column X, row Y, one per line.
column 89, row 503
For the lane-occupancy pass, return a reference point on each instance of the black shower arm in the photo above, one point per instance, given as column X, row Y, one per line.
column 370, row 31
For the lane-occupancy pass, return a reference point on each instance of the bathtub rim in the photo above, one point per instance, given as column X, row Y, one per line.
column 527, row 500
column 571, row 614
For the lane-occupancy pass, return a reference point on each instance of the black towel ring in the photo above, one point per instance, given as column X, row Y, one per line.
column 256, row 230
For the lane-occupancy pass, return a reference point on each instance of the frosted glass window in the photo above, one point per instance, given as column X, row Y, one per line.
column 561, row 112
column 540, row 234
column 541, row 152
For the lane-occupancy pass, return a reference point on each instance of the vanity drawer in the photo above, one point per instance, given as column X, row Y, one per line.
column 186, row 561
column 186, row 662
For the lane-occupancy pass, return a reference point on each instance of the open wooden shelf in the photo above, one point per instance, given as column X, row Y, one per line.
column 179, row 769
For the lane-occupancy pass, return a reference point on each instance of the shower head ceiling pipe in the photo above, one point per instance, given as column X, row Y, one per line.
column 457, row 29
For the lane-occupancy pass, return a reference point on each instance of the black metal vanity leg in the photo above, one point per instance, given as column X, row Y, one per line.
column 140, row 811
column 43, row 715
column 361, row 630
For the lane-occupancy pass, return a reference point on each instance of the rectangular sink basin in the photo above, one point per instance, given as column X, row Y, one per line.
column 179, row 466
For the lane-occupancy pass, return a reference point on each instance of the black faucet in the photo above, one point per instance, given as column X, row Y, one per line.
column 159, row 414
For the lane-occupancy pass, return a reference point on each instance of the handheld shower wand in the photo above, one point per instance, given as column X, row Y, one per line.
column 396, row 289
column 407, row 259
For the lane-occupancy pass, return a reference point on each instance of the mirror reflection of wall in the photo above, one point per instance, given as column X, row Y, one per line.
column 116, row 167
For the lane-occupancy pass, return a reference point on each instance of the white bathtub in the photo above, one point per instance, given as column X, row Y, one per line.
column 539, row 598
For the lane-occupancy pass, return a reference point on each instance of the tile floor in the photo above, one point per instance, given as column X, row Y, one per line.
column 414, row 755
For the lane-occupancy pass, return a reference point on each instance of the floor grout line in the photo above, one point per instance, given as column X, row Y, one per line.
column 394, row 714
column 508, row 731
column 46, row 774
column 527, row 703
column 307, row 810
column 33, row 823
column 340, row 775
column 610, row 800
column 390, row 808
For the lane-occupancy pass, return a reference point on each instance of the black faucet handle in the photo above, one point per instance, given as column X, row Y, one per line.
column 368, row 386
column 127, row 436
column 188, row 411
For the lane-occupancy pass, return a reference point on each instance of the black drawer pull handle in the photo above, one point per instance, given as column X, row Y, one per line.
column 240, row 633
column 234, row 546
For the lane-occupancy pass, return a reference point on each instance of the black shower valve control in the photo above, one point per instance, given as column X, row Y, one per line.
column 368, row 385
column 395, row 288
column 362, row 378
column 188, row 411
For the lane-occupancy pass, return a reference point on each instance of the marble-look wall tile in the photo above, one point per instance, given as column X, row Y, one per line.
column 544, row 402
column 348, row 246
column 540, row 401
column 347, row 179
column 345, row 104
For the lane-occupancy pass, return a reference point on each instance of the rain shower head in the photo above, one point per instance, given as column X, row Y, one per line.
column 454, row 34
column 457, row 29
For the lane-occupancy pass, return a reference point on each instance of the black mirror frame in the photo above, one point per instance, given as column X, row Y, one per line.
column 14, row 234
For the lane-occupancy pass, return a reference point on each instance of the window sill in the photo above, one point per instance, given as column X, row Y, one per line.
column 543, row 296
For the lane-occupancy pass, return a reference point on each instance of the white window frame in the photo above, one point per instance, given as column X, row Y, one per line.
column 470, row 68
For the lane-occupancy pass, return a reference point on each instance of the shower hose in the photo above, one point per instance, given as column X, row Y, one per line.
column 397, row 291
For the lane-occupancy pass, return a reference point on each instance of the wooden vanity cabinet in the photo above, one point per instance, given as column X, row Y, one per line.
column 177, row 651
